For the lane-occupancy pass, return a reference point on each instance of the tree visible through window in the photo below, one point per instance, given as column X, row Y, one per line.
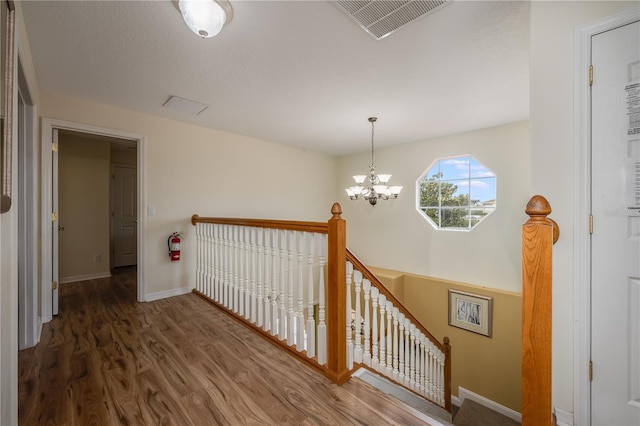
column 456, row 193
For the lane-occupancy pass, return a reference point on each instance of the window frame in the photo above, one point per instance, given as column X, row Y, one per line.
column 469, row 179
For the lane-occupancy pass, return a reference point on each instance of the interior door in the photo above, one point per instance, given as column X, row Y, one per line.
column 125, row 216
column 615, row 241
column 54, row 223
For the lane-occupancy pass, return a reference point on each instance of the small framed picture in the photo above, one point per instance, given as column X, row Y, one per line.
column 470, row 312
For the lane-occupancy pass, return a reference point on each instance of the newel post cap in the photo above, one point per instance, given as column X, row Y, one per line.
column 336, row 211
column 538, row 207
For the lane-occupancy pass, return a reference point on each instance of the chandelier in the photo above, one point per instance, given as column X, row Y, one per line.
column 376, row 186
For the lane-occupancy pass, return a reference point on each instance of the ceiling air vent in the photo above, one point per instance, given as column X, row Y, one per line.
column 380, row 18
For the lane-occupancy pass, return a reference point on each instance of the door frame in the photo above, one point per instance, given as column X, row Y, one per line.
column 48, row 124
column 582, row 207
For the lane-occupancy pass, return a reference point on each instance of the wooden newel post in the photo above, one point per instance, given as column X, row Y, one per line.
column 336, row 368
column 538, row 235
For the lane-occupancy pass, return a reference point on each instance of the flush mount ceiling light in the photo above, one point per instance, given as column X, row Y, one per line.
column 376, row 187
column 205, row 17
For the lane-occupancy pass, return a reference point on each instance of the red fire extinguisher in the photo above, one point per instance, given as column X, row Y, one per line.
column 174, row 246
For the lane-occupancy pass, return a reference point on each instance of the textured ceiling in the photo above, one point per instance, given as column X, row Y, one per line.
column 299, row 73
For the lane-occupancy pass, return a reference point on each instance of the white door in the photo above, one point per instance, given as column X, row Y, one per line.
column 615, row 242
column 54, row 223
column 125, row 216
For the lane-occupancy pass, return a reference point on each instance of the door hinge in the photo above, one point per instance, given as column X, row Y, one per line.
column 54, row 217
column 590, row 75
column 54, row 285
column 590, row 371
column 590, row 224
column 54, row 147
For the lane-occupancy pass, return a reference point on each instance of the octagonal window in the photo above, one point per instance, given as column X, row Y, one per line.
column 456, row 193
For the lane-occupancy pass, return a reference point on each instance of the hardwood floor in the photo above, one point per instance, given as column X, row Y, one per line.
column 108, row 360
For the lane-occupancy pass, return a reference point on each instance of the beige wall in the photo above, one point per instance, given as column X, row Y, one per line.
column 552, row 157
column 190, row 169
column 394, row 235
column 488, row 366
column 83, row 173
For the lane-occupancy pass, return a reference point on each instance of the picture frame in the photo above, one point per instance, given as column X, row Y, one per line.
column 471, row 312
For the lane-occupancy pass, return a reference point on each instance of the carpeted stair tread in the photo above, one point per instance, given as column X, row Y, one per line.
column 473, row 414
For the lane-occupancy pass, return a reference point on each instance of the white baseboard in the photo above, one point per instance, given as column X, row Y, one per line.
column 467, row 394
column 77, row 278
column 564, row 418
column 150, row 297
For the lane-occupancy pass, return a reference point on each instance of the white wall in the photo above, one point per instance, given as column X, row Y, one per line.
column 190, row 169
column 552, row 152
column 394, row 235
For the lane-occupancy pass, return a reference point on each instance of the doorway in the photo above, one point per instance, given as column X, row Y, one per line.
column 97, row 205
column 52, row 228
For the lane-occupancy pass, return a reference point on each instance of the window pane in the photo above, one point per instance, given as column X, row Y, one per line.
column 429, row 193
column 433, row 215
column 454, row 193
column 455, row 168
column 455, row 218
column 483, row 191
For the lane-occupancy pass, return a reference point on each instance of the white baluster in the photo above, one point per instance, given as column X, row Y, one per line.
column 246, row 290
column 431, row 383
column 311, row 325
column 348, row 317
column 401, row 344
column 236, row 268
column 421, row 363
column 253, row 275
column 382, row 301
column 389, row 338
column 412, row 347
column 225, row 265
column 199, row 257
column 260, row 271
column 396, row 371
column 366, row 356
column 291, row 320
column 208, row 249
column 274, row 282
column 300, row 236
column 440, row 388
column 216, row 264
column 266, row 312
column 407, row 352
column 357, row 350
column 228, row 286
column 282, row 308
column 322, row 328
column 374, row 327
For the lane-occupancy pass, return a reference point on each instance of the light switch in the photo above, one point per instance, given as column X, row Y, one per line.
column 151, row 210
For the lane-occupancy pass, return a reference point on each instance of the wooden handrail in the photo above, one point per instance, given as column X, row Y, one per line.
column 444, row 347
column 291, row 225
column 539, row 233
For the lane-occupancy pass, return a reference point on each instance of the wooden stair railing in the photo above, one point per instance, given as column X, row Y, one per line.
column 539, row 233
column 254, row 270
column 444, row 347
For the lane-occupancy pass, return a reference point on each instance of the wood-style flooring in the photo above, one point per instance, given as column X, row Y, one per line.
column 108, row 360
